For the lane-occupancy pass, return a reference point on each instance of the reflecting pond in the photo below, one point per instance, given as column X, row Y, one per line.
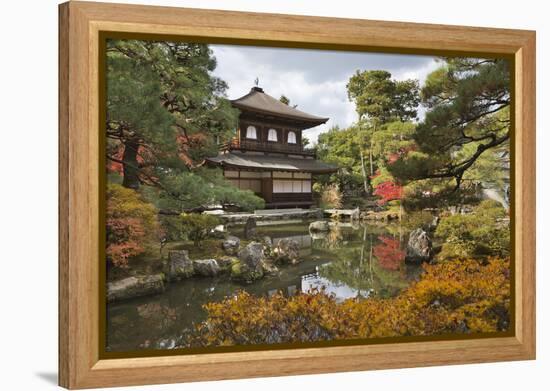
column 349, row 262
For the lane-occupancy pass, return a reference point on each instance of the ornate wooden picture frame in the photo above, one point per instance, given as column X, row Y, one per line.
column 83, row 28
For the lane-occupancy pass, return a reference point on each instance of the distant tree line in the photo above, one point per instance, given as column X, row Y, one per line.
column 460, row 144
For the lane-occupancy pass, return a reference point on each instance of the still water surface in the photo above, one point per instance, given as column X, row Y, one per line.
column 349, row 262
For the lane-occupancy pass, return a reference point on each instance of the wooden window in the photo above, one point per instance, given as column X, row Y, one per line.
column 272, row 135
column 282, row 186
column 251, row 133
column 287, row 186
column 231, row 174
column 291, row 186
column 278, row 186
column 291, row 139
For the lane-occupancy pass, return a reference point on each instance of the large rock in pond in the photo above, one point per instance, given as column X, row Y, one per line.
column 135, row 286
column 242, row 272
column 319, row 226
column 206, row 267
column 250, row 228
column 231, row 245
column 249, row 266
column 419, row 247
column 252, row 254
column 179, row 265
column 287, row 251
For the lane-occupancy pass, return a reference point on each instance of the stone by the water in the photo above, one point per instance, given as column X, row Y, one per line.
column 231, row 245
column 206, row 267
column 179, row 266
column 249, row 267
column 287, row 251
column 252, row 254
column 419, row 247
column 250, row 228
column 135, row 286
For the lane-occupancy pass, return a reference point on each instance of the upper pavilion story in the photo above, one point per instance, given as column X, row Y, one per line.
column 268, row 125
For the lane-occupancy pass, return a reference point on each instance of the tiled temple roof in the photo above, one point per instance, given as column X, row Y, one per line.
column 272, row 162
column 258, row 101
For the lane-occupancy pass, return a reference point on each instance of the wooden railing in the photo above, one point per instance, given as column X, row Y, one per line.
column 250, row 145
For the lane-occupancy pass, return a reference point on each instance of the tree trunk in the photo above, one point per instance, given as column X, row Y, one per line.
column 370, row 159
column 365, row 184
column 130, row 165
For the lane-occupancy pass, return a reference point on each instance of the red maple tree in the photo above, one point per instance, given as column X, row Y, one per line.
column 388, row 191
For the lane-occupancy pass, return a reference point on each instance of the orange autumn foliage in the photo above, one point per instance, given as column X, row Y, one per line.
column 453, row 297
column 131, row 224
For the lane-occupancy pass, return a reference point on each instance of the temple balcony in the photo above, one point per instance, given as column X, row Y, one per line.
column 259, row 146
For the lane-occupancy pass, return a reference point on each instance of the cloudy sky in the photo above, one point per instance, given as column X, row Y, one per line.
column 315, row 80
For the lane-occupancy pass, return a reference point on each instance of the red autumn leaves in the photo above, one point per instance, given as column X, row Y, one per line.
column 388, row 253
column 388, row 191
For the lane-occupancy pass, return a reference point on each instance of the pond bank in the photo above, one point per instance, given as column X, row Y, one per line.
column 347, row 262
column 243, row 264
column 255, row 257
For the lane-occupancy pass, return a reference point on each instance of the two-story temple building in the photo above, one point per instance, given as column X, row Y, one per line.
column 267, row 155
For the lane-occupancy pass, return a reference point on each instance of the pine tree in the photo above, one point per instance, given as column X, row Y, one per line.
column 466, row 122
column 166, row 112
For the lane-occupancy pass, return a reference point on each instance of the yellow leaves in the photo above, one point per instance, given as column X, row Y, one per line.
column 453, row 297
column 122, row 202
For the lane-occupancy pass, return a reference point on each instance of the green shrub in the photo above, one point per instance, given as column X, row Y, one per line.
column 482, row 233
column 173, row 228
column 198, row 226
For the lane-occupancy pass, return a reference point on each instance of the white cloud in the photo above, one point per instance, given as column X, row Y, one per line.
column 419, row 73
column 312, row 79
